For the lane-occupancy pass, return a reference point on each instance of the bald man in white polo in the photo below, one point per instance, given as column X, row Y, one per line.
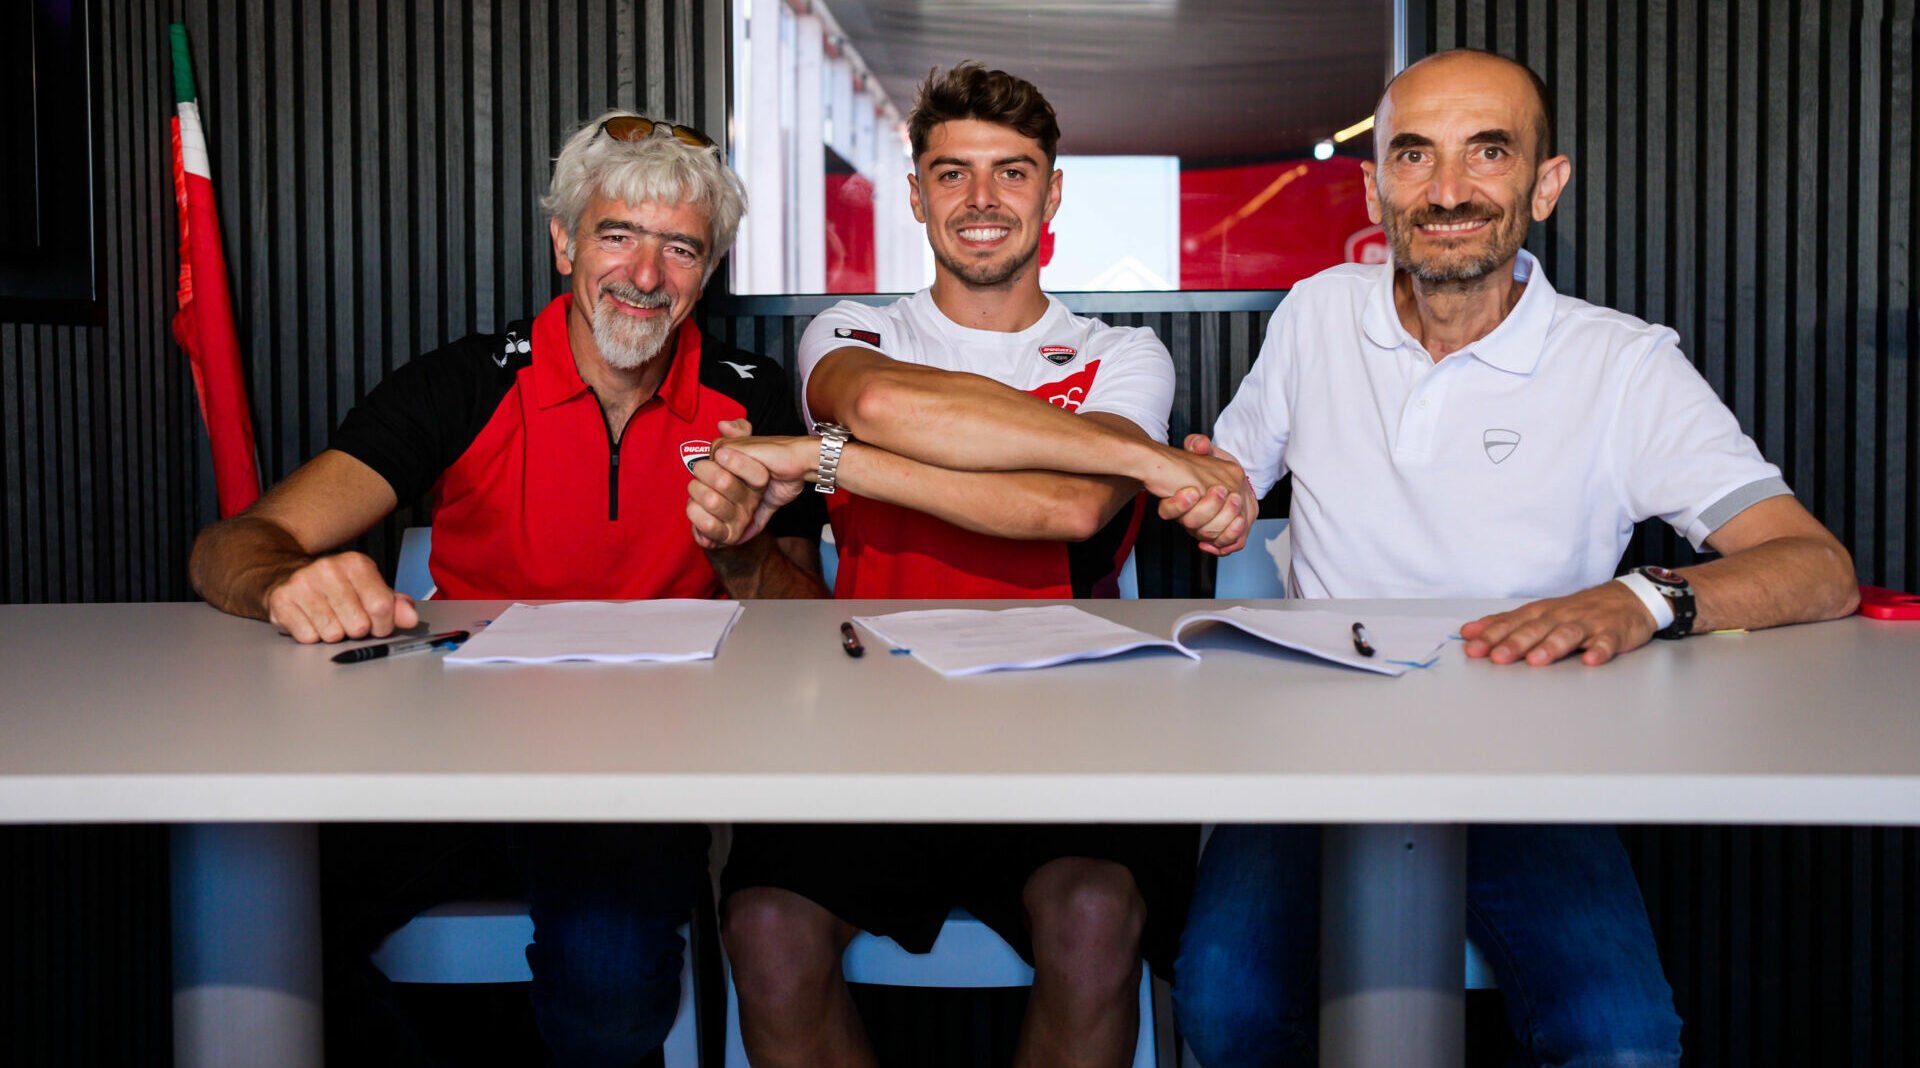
column 1456, row 428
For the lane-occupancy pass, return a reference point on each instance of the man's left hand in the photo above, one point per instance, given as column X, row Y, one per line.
column 1600, row 623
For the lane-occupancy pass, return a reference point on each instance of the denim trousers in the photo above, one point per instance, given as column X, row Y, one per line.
column 1555, row 910
column 606, row 901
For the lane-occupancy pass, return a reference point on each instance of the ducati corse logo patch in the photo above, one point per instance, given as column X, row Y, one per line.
column 867, row 336
column 692, row 452
column 1058, row 355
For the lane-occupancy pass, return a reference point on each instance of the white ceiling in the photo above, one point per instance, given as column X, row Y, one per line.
column 1201, row 79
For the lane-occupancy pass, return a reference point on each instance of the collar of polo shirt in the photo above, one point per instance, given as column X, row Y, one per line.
column 1514, row 346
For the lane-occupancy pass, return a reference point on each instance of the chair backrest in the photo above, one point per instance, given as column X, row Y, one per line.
column 829, row 556
column 1260, row 569
column 1129, row 579
column 410, row 575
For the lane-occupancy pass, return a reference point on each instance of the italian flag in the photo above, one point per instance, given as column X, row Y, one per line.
column 204, row 324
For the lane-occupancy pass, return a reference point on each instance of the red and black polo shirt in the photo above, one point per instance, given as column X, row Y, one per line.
column 534, row 496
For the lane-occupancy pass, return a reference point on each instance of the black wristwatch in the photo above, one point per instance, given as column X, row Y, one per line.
column 1679, row 595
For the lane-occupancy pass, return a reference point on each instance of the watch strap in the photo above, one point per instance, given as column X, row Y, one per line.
column 833, row 441
column 1650, row 595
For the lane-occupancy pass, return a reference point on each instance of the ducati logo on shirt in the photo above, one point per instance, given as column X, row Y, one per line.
column 1500, row 443
column 1058, row 355
column 691, row 452
column 867, row 336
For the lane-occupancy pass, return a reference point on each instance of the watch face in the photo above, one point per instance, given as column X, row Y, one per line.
column 1663, row 575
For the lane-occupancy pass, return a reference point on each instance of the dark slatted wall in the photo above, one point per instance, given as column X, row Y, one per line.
column 96, row 423
column 1744, row 173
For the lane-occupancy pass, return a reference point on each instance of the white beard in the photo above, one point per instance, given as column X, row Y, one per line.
column 627, row 342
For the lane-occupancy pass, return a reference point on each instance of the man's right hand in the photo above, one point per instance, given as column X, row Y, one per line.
column 750, row 479
column 338, row 596
column 1215, row 503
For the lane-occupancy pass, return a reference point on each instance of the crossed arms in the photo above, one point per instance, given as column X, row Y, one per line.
column 964, row 448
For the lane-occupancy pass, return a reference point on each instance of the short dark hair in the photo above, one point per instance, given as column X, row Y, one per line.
column 971, row 91
column 1542, row 95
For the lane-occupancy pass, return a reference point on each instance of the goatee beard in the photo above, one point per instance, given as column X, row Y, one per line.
column 1461, row 268
column 627, row 342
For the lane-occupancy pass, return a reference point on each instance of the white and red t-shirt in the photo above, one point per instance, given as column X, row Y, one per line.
column 1074, row 362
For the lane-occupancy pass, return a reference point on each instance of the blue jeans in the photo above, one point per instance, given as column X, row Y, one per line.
column 1554, row 910
column 606, row 900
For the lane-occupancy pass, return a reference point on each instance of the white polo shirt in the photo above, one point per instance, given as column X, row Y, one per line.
column 1516, row 467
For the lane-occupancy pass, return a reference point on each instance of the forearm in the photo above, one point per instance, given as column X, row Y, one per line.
column 1025, row 505
column 965, row 422
column 757, row 569
column 1785, row 580
column 236, row 561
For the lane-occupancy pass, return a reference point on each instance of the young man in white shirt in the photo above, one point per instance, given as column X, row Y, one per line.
column 1455, row 428
column 979, row 440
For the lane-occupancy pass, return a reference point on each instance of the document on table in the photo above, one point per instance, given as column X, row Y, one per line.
column 605, row 632
column 1399, row 642
column 968, row 641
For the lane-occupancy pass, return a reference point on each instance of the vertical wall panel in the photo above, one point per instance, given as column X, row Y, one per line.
column 1743, row 172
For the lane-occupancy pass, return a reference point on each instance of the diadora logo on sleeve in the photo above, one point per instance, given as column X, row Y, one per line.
column 515, row 344
column 1058, row 355
column 692, row 452
column 867, row 336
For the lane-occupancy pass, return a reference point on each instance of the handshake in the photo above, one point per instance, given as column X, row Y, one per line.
column 730, row 500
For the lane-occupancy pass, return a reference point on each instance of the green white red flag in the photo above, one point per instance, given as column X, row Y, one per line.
column 204, row 323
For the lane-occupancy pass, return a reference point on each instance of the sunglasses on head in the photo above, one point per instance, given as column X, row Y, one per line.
column 639, row 128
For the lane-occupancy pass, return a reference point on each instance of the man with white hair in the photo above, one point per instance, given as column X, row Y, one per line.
column 556, row 455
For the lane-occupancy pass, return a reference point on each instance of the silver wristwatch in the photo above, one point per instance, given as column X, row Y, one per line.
column 833, row 439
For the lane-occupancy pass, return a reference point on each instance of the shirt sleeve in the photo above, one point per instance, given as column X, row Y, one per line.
column 1254, row 426
column 1679, row 453
column 845, row 325
column 424, row 414
column 1135, row 380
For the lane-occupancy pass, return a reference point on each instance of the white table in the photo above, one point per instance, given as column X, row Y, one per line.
column 176, row 713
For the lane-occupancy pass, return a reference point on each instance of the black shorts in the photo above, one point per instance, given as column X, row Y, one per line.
column 901, row 880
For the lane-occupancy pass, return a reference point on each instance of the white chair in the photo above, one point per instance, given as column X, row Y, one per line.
column 486, row 942
column 829, row 556
column 967, row 955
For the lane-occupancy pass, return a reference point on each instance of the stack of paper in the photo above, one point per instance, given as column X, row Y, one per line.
column 1398, row 642
column 968, row 641
column 603, row 632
